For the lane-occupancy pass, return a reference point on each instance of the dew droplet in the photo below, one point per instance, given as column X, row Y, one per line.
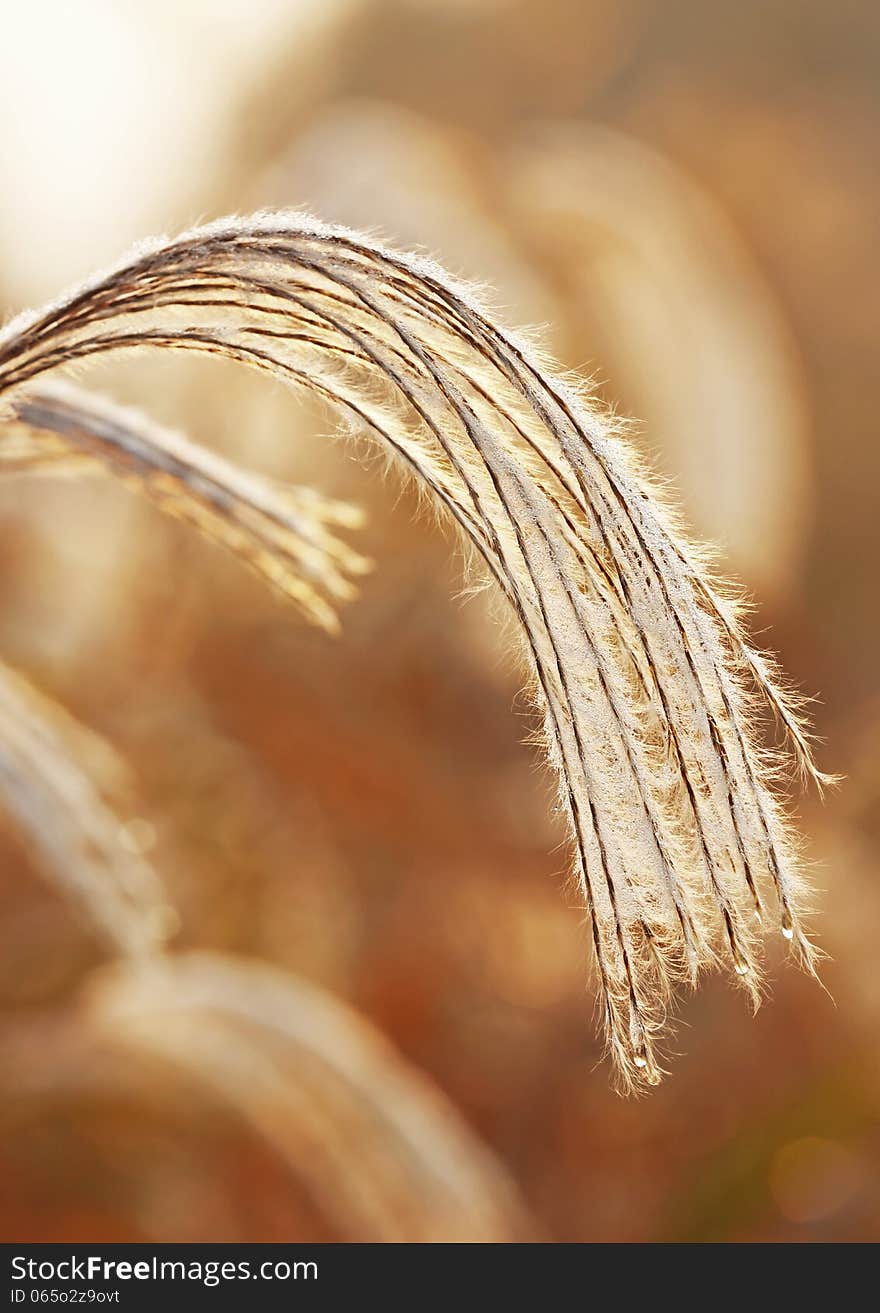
column 640, row 1059
column 740, row 966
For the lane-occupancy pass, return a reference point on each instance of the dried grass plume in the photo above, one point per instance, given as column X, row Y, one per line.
column 647, row 684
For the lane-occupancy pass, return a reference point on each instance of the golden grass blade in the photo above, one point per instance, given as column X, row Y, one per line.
column 686, row 328
column 314, row 1078
column 286, row 534
column 641, row 669
column 51, row 772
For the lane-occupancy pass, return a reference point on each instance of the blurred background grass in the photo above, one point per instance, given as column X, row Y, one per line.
column 685, row 198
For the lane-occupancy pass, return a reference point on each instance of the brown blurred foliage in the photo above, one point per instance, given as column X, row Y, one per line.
column 686, row 196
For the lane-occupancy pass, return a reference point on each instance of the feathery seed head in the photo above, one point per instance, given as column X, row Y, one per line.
column 641, row 668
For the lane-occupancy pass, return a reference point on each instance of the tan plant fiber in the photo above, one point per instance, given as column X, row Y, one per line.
column 646, row 682
column 60, row 781
column 284, row 533
column 684, row 323
column 63, row 785
column 309, row 1074
column 382, row 1152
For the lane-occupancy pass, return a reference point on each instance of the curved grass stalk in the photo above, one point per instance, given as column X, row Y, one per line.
column 69, row 823
column 683, row 322
column 646, row 682
column 286, row 534
column 382, row 1152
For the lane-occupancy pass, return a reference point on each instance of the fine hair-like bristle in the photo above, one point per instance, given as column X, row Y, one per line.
column 644, row 678
column 287, row 534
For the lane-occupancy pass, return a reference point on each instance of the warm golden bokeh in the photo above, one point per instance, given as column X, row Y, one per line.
column 683, row 198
